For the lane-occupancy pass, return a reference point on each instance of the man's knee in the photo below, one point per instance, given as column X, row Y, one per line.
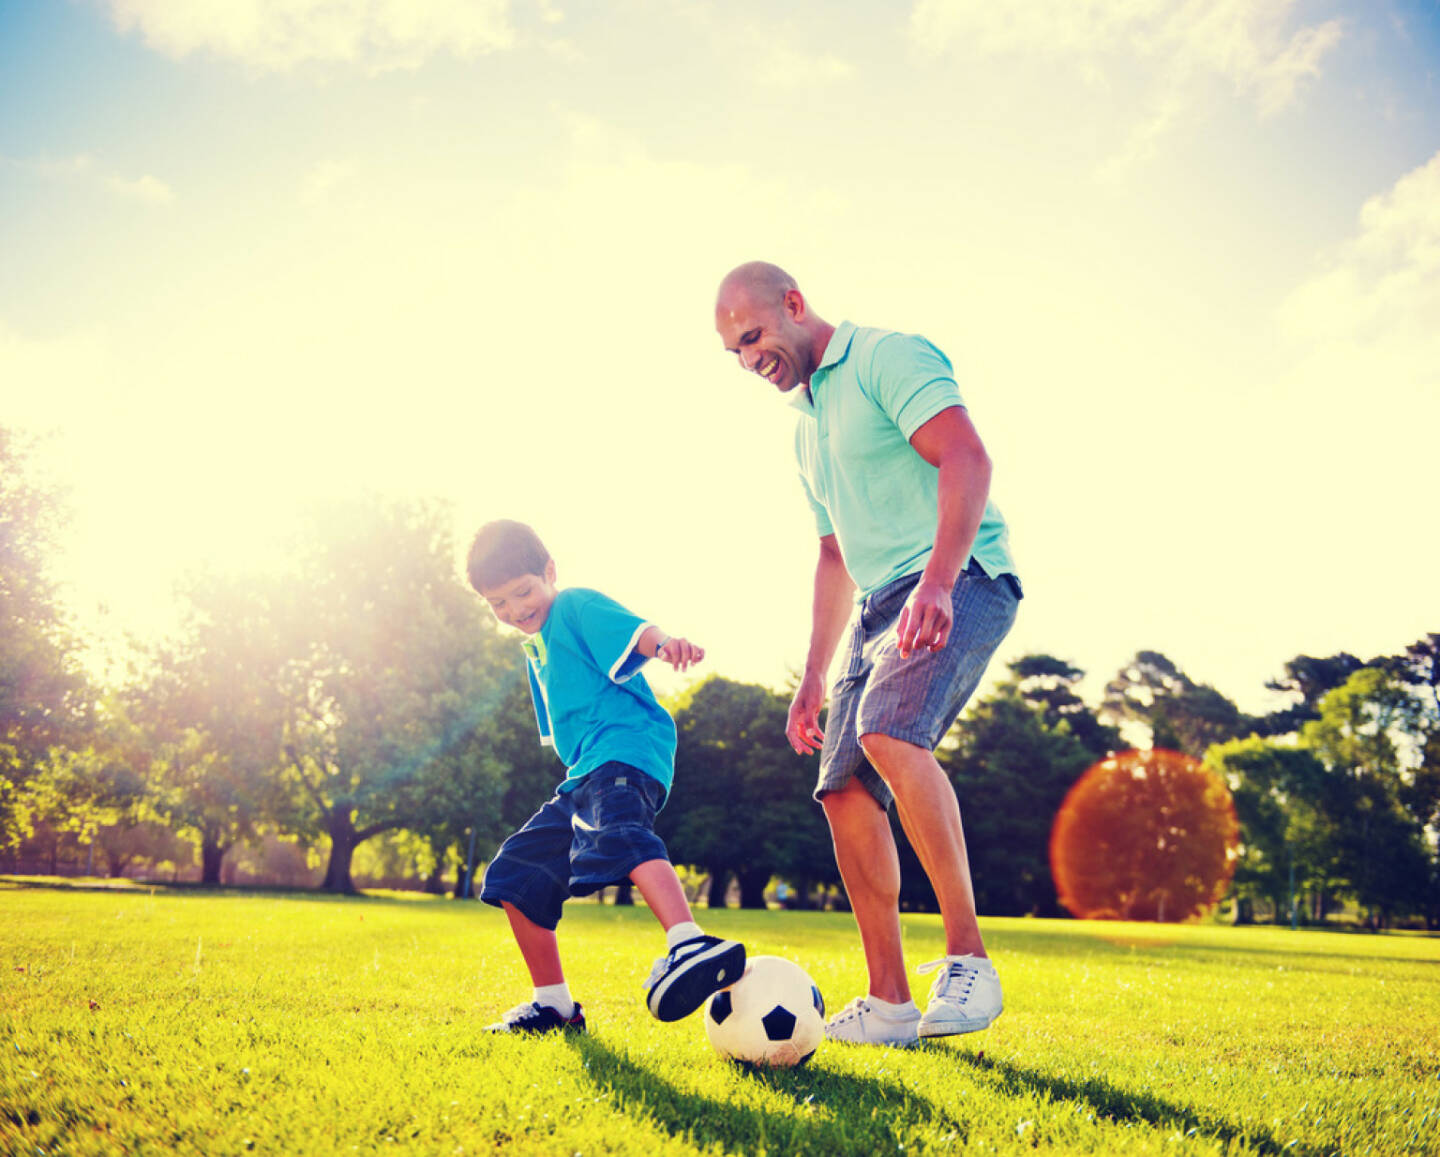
column 888, row 754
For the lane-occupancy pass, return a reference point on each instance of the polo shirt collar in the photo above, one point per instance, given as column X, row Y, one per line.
column 836, row 349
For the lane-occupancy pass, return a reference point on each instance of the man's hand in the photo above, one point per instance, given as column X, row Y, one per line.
column 925, row 619
column 679, row 653
column 802, row 725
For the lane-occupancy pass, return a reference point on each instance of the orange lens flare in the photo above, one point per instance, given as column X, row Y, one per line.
column 1144, row 835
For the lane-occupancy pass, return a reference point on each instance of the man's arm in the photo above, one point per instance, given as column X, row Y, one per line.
column 950, row 442
column 830, row 611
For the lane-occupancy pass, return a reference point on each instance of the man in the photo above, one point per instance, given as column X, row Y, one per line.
column 898, row 481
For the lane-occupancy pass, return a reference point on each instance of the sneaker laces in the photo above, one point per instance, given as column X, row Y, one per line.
column 521, row 1012
column 957, row 975
column 670, row 958
column 856, row 1008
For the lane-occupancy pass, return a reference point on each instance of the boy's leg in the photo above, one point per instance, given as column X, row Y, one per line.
column 553, row 1008
column 538, row 946
column 696, row 966
column 526, row 880
column 614, row 840
column 661, row 888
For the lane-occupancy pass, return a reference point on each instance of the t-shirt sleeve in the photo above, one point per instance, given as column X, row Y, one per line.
column 542, row 709
column 911, row 381
column 805, row 454
column 611, row 634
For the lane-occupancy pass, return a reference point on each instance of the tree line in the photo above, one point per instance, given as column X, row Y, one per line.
column 365, row 691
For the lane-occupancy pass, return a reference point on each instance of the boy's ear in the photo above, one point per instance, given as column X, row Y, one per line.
column 550, row 571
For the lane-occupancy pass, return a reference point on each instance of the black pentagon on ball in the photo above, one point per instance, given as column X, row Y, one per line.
column 779, row 1023
column 818, row 999
column 720, row 1006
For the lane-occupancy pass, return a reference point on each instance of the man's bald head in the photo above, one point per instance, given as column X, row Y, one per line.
column 764, row 320
column 763, row 283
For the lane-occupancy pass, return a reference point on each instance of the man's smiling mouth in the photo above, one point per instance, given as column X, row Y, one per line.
column 770, row 370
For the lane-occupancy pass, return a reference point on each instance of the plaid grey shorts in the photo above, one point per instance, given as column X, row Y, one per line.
column 916, row 699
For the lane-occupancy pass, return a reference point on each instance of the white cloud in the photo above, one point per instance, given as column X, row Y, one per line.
column 1377, row 302
column 273, row 35
column 1178, row 45
column 84, row 168
column 322, row 180
column 786, row 67
column 147, row 189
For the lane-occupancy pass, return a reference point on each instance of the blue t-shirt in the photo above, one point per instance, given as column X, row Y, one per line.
column 591, row 702
column 864, row 481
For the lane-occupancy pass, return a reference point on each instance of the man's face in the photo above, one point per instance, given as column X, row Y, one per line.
column 766, row 336
column 524, row 602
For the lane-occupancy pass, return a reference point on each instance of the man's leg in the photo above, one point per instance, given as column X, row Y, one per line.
column 870, row 866
column 930, row 815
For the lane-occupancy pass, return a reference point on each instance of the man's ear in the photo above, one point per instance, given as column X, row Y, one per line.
column 795, row 304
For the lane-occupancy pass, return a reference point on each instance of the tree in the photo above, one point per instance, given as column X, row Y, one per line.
column 742, row 800
column 1309, row 679
column 1179, row 713
column 1017, row 752
column 214, row 705
column 1145, row 835
column 1048, row 684
column 392, row 664
column 1365, row 736
column 44, row 697
column 1285, row 835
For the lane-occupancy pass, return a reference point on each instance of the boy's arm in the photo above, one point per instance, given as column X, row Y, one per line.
column 679, row 653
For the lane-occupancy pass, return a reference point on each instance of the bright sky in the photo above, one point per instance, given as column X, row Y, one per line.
column 1185, row 257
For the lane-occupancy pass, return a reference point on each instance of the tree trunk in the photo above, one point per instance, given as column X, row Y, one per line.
column 752, row 887
column 715, row 893
column 212, row 853
column 625, row 894
column 434, row 885
column 1243, row 911
column 342, row 852
column 459, row 893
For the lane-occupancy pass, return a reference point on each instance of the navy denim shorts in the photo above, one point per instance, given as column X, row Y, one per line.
column 916, row 699
column 577, row 843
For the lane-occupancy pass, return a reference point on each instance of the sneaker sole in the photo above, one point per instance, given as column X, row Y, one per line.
column 883, row 1044
column 954, row 1027
column 703, row 975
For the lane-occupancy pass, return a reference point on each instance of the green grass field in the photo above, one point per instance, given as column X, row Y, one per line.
column 147, row 1020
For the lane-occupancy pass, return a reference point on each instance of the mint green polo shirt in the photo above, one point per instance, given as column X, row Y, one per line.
column 864, row 481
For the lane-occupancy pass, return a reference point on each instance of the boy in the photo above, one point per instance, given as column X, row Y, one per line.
column 583, row 655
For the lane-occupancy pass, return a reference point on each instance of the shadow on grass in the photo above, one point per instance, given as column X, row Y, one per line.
column 1123, row 1105
column 836, row 1113
column 188, row 889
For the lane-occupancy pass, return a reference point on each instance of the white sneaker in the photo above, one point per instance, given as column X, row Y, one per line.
column 859, row 1023
column 964, row 998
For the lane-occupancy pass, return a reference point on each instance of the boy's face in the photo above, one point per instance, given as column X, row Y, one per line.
column 525, row 601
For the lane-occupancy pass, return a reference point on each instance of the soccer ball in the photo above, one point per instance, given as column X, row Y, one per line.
column 773, row 1015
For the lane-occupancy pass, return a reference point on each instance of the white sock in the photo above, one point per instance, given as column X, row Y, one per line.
column 685, row 930
column 893, row 1011
column 556, row 996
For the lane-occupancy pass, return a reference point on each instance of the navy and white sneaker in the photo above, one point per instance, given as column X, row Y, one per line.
column 694, row 970
column 535, row 1017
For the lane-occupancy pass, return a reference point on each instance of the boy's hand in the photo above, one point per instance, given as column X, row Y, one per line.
column 679, row 653
column 802, row 724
